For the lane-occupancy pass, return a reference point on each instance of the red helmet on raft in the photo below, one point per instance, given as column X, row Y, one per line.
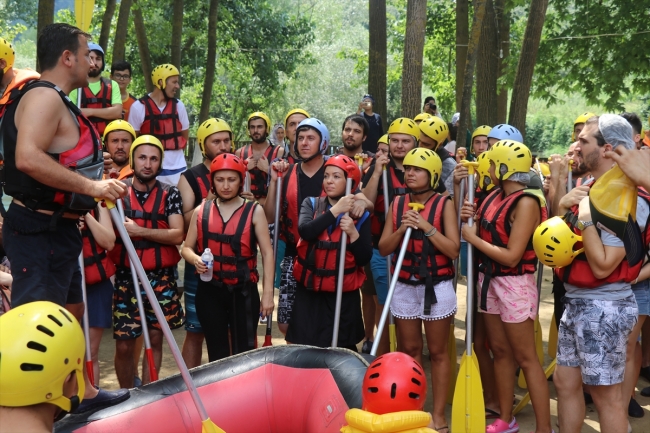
column 394, row 382
column 349, row 167
column 227, row 161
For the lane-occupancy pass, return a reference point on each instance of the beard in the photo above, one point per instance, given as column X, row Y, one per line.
column 120, row 160
column 259, row 139
column 589, row 162
column 94, row 73
column 146, row 178
column 351, row 145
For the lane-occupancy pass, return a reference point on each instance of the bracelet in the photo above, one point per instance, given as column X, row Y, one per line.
column 431, row 232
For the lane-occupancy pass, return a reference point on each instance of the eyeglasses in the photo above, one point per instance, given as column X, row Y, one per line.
column 121, row 77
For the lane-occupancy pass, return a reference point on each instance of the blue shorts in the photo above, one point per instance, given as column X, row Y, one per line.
column 191, row 281
column 463, row 259
column 379, row 275
column 642, row 294
column 100, row 304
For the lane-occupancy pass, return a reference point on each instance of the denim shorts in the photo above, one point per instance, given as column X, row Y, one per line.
column 190, row 283
column 642, row 294
column 379, row 275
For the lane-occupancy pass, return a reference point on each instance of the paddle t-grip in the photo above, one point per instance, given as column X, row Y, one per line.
column 416, row 206
column 471, row 166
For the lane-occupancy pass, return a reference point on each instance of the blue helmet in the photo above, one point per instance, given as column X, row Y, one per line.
column 322, row 130
column 506, row 132
column 96, row 47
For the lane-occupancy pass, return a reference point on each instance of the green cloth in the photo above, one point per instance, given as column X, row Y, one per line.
column 116, row 97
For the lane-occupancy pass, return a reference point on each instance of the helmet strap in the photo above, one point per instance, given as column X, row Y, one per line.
column 422, row 191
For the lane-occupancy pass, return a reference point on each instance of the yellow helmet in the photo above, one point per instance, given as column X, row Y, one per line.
column 161, row 73
column 427, row 160
column 510, row 157
column 404, row 125
column 420, row 117
column 264, row 117
column 149, row 140
column 292, row 112
column 554, row 242
column 580, row 119
column 383, row 139
column 209, row 127
column 7, row 53
column 41, row 344
column 435, row 128
column 481, row 130
column 119, row 125
column 483, row 170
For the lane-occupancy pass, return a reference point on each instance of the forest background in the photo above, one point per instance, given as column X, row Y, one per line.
column 536, row 64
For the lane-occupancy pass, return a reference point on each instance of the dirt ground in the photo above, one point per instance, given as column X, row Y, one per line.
column 525, row 418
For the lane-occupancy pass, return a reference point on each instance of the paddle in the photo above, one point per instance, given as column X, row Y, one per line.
column 276, row 233
column 207, row 425
column 391, row 290
column 153, row 374
column 339, row 278
column 392, row 332
column 89, row 359
column 468, row 408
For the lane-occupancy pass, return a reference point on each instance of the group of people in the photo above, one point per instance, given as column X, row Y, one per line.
column 131, row 150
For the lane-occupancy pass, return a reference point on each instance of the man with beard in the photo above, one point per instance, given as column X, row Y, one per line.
column 100, row 101
column 353, row 134
column 11, row 78
column 259, row 154
column 118, row 137
column 154, row 222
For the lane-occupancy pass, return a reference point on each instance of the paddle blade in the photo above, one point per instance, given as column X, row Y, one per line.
column 209, row 427
column 453, row 365
column 552, row 339
column 468, row 408
column 90, row 371
column 83, row 11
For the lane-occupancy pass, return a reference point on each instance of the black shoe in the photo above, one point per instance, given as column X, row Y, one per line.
column 634, row 409
column 103, row 399
column 646, row 391
column 367, row 346
column 588, row 399
column 645, row 373
column 137, row 382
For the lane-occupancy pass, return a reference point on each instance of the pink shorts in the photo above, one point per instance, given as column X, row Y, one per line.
column 513, row 297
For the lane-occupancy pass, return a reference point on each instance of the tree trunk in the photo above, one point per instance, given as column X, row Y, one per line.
column 462, row 38
column 526, row 65
column 143, row 46
column 45, row 17
column 472, row 54
column 106, row 25
column 377, row 56
column 177, row 33
column 416, row 17
column 211, row 61
column 503, row 17
column 119, row 46
column 486, row 69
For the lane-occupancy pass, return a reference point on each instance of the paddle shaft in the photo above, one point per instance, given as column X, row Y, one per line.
column 569, row 183
column 391, row 320
column 276, row 238
column 247, row 182
column 470, row 274
column 461, row 198
column 89, row 359
column 341, row 274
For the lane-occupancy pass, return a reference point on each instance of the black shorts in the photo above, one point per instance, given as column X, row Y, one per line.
column 368, row 287
column 44, row 265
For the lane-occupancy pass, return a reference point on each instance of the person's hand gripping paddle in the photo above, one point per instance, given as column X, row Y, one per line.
column 468, row 408
column 276, row 237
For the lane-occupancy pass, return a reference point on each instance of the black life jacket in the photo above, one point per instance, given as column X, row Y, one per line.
column 198, row 178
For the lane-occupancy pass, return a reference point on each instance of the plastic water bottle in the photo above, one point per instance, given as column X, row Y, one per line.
column 208, row 260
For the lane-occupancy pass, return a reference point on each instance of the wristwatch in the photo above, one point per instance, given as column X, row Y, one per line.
column 584, row 224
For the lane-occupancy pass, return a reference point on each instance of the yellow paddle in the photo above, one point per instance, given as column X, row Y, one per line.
column 524, row 401
column 468, row 408
column 83, row 13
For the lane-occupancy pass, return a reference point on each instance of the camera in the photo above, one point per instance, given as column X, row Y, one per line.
column 432, row 106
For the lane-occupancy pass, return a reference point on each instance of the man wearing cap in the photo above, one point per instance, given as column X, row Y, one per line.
column 600, row 310
column 375, row 126
column 100, row 101
column 11, row 78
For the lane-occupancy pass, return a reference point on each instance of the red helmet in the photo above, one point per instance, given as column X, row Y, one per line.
column 227, row 161
column 349, row 167
column 394, row 382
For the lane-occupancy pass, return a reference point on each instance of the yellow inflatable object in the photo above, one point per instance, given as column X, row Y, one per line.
column 410, row 421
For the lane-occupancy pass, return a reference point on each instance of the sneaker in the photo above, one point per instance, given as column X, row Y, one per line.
column 646, row 391
column 367, row 346
column 103, row 399
column 634, row 409
column 500, row 426
column 137, row 382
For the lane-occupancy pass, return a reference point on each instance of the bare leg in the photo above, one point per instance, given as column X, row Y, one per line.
column 632, row 365
column 283, row 327
column 77, row 311
column 437, row 343
column 156, row 337
column 193, row 349
column 95, row 341
column 570, row 401
column 645, row 344
column 368, row 306
column 611, row 411
column 504, row 365
column 124, row 369
column 485, row 363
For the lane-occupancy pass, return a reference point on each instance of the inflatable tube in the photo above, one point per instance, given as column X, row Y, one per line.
column 281, row 389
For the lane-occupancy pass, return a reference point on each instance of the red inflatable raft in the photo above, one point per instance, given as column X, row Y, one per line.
column 281, row 389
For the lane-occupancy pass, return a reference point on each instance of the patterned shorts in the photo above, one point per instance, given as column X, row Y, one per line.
column 126, row 315
column 512, row 297
column 287, row 290
column 408, row 301
column 593, row 336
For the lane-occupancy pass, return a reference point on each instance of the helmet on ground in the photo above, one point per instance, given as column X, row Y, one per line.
column 7, row 53
column 554, row 242
column 420, row 117
column 119, row 125
column 260, row 115
column 581, row 119
column 506, row 132
column 41, row 344
column 482, row 130
column 510, row 157
column 404, row 125
column 349, row 167
column 435, row 128
column 209, row 127
column 427, row 160
column 146, row 140
column 320, row 127
column 227, row 161
column 383, row 139
column 483, row 170
column 394, row 382
column 292, row 112
column 162, row 73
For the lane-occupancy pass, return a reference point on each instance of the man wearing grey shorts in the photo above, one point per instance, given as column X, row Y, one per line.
column 600, row 307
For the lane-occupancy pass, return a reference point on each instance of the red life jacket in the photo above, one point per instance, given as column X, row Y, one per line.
column 315, row 265
column 85, row 158
column 198, row 178
column 233, row 243
column 98, row 266
column 579, row 273
column 165, row 126
column 395, row 188
column 423, row 263
column 103, row 99
column 290, row 206
column 153, row 255
column 494, row 227
column 259, row 186
column 21, row 77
